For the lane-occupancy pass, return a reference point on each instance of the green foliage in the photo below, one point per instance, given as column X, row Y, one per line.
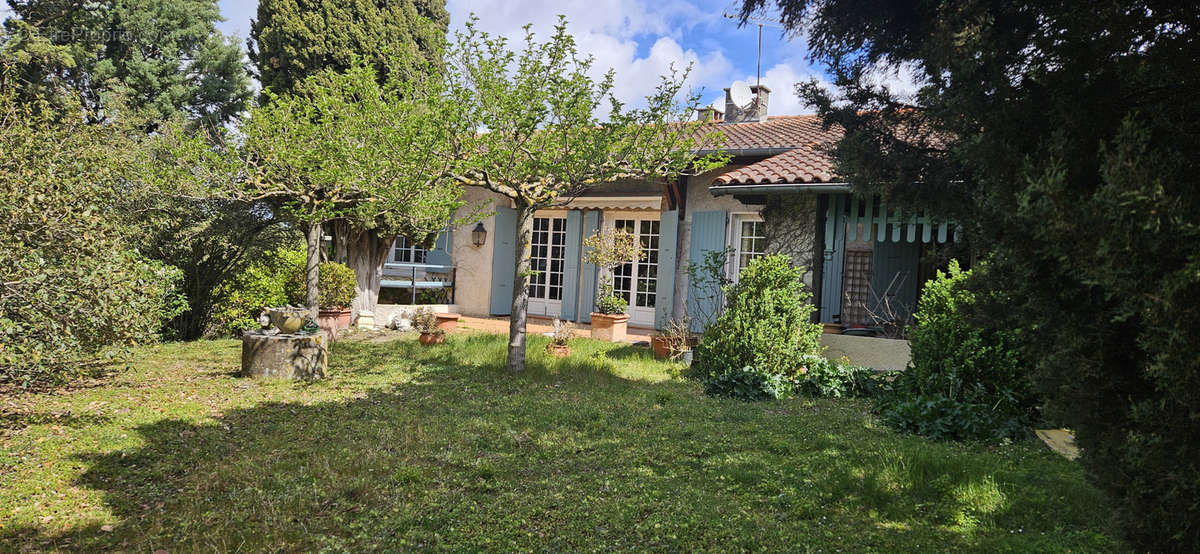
column 765, row 329
column 1063, row 141
column 609, row 250
column 425, row 322
column 707, row 279
column 291, row 40
column 966, row 380
column 824, row 378
column 402, row 437
column 161, row 58
column 608, row 301
column 74, row 294
column 262, row 284
column 335, row 282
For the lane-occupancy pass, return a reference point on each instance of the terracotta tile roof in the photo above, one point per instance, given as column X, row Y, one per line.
column 804, row 158
column 787, row 131
column 802, row 165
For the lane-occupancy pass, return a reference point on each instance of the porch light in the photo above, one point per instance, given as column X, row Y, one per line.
column 479, row 235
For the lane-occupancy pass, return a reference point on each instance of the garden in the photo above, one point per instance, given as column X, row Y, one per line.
column 407, row 446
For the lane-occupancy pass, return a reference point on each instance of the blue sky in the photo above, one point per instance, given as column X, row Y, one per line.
column 638, row 39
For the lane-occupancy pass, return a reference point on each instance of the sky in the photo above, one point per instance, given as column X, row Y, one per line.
column 639, row 39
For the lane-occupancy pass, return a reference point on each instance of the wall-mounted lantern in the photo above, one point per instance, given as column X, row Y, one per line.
column 479, row 235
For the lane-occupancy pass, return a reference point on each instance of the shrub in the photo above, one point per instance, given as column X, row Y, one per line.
column 425, row 322
column 966, row 380
column 261, row 285
column 336, row 285
column 821, row 377
column 765, row 329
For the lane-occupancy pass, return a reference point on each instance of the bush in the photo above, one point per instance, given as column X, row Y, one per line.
column 821, row 377
column 336, row 285
column 764, row 330
column 261, row 285
column 966, row 381
column 75, row 294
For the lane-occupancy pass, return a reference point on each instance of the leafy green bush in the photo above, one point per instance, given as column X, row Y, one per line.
column 261, row 285
column 74, row 293
column 336, row 285
column 609, row 302
column 966, row 381
column 821, row 377
column 765, row 330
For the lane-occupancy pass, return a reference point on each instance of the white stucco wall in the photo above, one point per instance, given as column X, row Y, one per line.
column 473, row 281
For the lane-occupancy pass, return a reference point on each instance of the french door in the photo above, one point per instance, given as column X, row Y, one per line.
column 637, row 281
column 547, row 263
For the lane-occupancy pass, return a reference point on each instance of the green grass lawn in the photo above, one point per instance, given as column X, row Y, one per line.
column 414, row 448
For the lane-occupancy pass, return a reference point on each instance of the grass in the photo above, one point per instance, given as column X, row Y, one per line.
column 406, row 448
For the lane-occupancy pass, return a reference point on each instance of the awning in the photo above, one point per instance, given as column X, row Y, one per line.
column 625, row 202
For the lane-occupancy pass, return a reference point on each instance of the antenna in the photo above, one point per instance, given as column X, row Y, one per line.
column 760, row 21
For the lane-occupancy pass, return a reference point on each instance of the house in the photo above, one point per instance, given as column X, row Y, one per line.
column 777, row 194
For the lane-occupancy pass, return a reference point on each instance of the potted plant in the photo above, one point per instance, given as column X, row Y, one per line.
column 675, row 341
column 560, row 341
column 426, row 323
column 335, row 292
column 609, row 250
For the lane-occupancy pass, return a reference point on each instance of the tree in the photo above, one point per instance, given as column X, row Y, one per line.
column 544, row 142
column 74, row 293
column 1063, row 141
column 292, row 40
column 351, row 148
column 160, row 57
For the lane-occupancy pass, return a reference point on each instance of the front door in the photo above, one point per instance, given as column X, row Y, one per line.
column 638, row 281
column 546, row 262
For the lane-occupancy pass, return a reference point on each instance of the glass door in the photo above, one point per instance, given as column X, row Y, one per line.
column 638, row 281
column 547, row 263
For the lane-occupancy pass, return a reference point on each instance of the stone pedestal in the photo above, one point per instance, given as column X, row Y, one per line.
column 284, row 356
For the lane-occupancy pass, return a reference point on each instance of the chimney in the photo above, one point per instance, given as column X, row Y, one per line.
column 756, row 111
column 709, row 113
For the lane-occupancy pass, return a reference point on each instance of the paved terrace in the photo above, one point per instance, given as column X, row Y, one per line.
column 539, row 325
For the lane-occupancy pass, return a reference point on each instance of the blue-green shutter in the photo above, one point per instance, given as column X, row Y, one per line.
column 708, row 234
column 588, row 272
column 834, row 255
column 668, row 234
column 504, row 253
column 571, row 264
column 440, row 255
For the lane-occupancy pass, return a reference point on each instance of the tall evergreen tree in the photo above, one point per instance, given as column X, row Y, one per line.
column 293, row 39
column 162, row 58
column 1064, row 140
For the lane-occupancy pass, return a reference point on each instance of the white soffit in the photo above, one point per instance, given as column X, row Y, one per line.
column 615, row 203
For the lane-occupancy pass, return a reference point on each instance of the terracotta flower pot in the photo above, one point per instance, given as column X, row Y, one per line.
column 661, row 346
column 609, row 327
column 430, row 339
column 558, row 351
column 447, row 321
column 331, row 320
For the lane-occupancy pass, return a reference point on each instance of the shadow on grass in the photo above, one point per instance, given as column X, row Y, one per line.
column 456, row 454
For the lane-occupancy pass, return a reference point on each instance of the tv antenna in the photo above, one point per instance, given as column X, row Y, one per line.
column 761, row 22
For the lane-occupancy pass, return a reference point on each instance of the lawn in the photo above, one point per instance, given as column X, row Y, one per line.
column 414, row 448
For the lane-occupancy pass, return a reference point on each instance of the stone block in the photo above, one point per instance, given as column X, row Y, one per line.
column 285, row 356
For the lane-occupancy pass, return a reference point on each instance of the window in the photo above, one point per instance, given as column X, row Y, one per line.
column 548, row 250
column 405, row 251
column 750, row 241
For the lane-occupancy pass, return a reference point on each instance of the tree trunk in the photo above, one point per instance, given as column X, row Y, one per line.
column 521, row 278
column 313, row 237
column 367, row 252
column 342, row 235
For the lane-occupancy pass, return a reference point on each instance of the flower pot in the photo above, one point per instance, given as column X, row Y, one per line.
column 609, row 327
column 447, row 321
column 661, row 346
column 558, row 350
column 331, row 320
column 429, row 339
column 288, row 320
